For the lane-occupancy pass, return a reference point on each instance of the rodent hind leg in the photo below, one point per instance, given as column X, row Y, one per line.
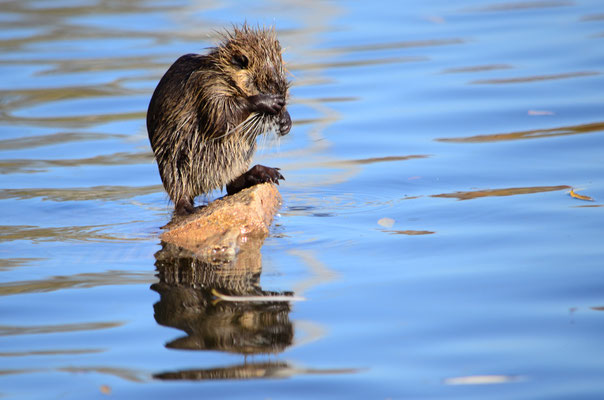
column 184, row 206
column 257, row 174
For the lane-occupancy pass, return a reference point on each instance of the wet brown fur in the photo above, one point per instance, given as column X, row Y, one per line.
column 200, row 123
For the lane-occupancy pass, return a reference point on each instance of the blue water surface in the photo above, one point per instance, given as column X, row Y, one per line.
column 427, row 214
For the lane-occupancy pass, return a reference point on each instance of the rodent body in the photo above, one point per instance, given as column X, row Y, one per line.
column 207, row 111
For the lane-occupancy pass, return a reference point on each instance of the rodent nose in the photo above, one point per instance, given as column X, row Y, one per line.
column 285, row 122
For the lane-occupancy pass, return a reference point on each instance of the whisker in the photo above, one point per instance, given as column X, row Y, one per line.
column 241, row 127
column 256, row 129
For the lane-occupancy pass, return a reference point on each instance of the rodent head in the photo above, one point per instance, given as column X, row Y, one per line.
column 251, row 60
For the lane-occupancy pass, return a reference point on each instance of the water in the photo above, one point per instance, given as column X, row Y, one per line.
column 427, row 216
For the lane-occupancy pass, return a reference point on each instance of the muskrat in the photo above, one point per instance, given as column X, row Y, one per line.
column 207, row 111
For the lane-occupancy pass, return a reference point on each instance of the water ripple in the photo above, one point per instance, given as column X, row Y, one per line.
column 30, row 142
column 525, row 5
column 475, row 194
column 63, row 233
column 107, row 193
column 534, row 78
column 8, row 166
column 10, row 330
column 530, row 134
column 77, row 281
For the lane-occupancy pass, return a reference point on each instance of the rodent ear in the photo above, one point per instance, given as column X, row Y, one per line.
column 240, row 61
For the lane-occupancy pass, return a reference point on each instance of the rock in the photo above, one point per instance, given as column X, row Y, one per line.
column 223, row 227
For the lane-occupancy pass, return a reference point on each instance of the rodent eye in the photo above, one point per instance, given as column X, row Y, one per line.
column 240, row 60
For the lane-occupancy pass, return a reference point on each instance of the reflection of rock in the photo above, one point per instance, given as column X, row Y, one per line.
column 186, row 303
column 259, row 370
column 181, row 268
column 245, row 371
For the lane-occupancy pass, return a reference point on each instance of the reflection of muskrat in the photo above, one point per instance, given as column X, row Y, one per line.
column 208, row 110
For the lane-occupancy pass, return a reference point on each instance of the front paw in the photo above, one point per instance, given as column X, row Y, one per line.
column 261, row 174
column 266, row 103
column 257, row 174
